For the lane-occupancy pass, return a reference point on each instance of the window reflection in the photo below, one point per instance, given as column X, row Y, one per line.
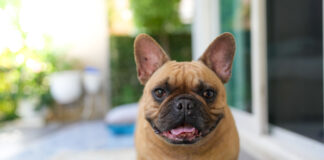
column 295, row 66
column 235, row 18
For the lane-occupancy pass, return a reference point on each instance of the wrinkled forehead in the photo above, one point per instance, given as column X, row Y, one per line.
column 185, row 75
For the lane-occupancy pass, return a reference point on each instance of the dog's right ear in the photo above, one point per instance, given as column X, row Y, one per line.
column 149, row 56
column 219, row 56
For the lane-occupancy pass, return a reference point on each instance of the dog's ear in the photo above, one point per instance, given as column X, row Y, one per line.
column 149, row 56
column 219, row 56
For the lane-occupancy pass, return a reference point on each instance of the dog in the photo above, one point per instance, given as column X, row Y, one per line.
column 183, row 113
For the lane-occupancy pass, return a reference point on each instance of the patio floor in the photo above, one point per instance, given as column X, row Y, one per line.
column 83, row 141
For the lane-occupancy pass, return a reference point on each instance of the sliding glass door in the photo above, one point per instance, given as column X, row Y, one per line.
column 295, row 66
column 235, row 18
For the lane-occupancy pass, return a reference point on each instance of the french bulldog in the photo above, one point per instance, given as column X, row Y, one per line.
column 183, row 113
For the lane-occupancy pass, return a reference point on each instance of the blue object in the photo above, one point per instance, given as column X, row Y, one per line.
column 90, row 69
column 121, row 129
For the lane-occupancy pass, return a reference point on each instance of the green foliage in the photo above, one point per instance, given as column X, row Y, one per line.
column 23, row 72
column 125, row 87
column 27, row 78
column 180, row 47
column 234, row 17
column 156, row 17
column 4, row 3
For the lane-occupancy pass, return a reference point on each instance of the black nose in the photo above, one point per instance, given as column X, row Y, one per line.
column 185, row 105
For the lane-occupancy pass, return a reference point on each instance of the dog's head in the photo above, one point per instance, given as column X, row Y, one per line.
column 184, row 101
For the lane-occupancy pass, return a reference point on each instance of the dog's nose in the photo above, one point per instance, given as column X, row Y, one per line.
column 185, row 105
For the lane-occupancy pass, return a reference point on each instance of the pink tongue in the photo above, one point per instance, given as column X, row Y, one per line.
column 182, row 129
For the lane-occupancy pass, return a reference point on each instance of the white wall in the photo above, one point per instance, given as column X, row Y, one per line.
column 205, row 26
column 77, row 27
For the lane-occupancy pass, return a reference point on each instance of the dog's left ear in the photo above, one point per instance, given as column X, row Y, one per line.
column 219, row 56
column 149, row 56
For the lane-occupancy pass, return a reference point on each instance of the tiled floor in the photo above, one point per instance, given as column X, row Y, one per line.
column 120, row 154
column 82, row 140
column 245, row 156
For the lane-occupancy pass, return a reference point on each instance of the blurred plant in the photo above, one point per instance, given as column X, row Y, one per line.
column 23, row 66
column 125, row 87
column 23, row 74
column 161, row 20
column 120, row 17
column 158, row 18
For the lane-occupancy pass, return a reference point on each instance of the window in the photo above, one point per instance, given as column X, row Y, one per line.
column 295, row 66
column 282, row 42
column 235, row 18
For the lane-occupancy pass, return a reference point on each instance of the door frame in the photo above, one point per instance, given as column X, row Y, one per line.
column 257, row 136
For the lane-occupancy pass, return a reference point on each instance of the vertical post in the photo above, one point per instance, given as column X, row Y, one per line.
column 206, row 25
column 107, row 85
column 259, row 65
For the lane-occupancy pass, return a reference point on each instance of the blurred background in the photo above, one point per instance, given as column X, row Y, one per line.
column 69, row 88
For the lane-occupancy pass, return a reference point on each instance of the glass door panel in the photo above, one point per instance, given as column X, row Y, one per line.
column 295, row 66
column 235, row 18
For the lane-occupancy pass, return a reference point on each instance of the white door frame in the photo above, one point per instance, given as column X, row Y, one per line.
column 254, row 127
column 259, row 65
column 205, row 26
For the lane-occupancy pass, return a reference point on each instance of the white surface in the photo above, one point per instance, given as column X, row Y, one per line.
column 280, row 144
column 259, row 65
column 92, row 81
column 116, row 154
column 80, row 141
column 79, row 137
column 65, row 86
column 77, row 28
column 124, row 114
column 206, row 25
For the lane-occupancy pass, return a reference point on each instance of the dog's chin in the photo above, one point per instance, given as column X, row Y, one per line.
column 185, row 134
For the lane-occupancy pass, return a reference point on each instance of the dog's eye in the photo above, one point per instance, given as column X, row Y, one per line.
column 208, row 94
column 159, row 92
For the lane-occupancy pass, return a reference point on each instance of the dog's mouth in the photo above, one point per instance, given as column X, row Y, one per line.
column 185, row 133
